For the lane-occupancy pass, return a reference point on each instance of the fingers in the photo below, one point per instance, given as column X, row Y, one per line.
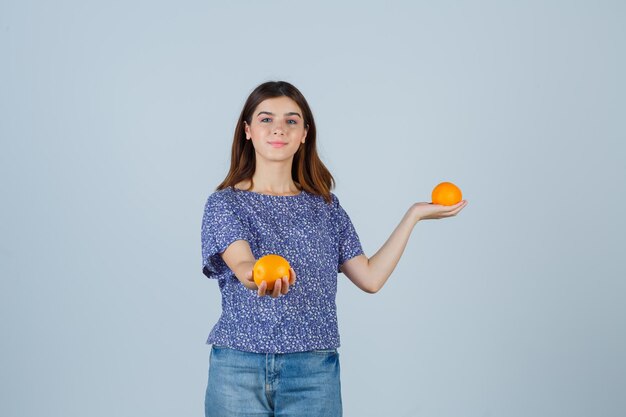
column 450, row 211
column 292, row 276
column 285, row 285
column 461, row 207
column 281, row 286
column 457, row 208
column 277, row 286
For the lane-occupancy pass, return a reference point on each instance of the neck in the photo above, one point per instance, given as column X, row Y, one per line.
column 274, row 179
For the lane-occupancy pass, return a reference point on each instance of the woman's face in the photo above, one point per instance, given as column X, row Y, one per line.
column 277, row 128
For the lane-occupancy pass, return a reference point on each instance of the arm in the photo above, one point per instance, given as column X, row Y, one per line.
column 371, row 274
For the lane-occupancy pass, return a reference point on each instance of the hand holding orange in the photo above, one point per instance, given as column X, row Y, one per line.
column 447, row 201
column 446, row 194
column 270, row 268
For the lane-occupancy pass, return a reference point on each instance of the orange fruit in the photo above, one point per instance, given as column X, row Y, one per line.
column 447, row 194
column 269, row 268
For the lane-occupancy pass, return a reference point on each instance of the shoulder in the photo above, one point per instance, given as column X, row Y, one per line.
column 334, row 200
column 337, row 209
column 319, row 201
column 321, row 205
column 220, row 199
column 322, row 202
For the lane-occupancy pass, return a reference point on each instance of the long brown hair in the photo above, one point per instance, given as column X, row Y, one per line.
column 306, row 168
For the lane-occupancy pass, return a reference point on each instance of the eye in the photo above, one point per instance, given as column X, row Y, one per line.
column 267, row 118
column 294, row 122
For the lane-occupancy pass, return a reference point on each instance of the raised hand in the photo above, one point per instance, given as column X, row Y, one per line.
column 427, row 211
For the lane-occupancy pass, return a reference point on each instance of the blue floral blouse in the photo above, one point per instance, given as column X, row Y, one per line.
column 314, row 236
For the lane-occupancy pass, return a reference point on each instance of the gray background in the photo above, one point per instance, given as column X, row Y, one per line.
column 116, row 121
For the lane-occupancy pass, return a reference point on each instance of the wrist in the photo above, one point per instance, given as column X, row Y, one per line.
column 413, row 215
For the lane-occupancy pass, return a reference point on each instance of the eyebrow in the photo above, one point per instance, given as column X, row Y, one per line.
column 291, row 113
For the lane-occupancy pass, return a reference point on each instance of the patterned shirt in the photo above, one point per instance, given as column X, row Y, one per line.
column 314, row 236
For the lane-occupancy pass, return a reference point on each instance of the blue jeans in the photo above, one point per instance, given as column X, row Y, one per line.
column 302, row 384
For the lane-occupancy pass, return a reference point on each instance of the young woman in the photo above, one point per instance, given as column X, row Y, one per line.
column 275, row 352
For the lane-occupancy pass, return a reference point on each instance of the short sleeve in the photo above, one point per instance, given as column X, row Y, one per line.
column 348, row 239
column 221, row 226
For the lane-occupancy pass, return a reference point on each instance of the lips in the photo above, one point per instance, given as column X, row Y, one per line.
column 277, row 144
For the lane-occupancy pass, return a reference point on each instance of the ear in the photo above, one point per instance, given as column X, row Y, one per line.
column 247, row 129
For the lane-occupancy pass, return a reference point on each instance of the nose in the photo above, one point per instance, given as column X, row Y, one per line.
column 279, row 128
